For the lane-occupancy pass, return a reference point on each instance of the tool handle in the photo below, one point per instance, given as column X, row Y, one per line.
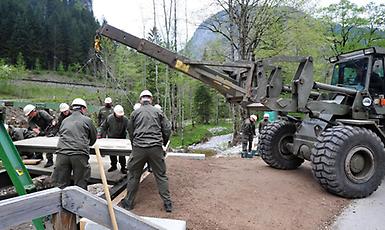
column 105, row 187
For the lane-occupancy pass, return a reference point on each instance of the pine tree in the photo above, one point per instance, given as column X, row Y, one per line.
column 53, row 31
column 202, row 104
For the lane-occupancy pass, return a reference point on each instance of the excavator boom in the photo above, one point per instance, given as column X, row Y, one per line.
column 217, row 78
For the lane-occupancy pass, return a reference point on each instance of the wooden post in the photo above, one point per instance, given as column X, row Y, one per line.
column 105, row 187
column 64, row 220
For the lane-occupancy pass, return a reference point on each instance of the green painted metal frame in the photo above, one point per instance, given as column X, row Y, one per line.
column 15, row 168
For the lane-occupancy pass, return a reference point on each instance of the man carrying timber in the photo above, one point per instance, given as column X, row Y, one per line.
column 77, row 133
column 148, row 130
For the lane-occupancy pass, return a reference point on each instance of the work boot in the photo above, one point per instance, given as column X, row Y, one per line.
column 113, row 168
column 48, row 164
column 243, row 154
column 126, row 205
column 168, row 206
column 123, row 170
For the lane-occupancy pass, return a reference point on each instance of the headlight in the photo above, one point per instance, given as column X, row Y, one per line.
column 367, row 101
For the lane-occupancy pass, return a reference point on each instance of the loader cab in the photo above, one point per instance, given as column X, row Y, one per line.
column 351, row 74
column 362, row 70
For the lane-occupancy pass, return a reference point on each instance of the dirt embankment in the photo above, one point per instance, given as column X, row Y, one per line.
column 235, row 193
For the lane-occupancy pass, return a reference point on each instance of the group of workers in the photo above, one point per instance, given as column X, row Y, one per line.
column 147, row 128
column 248, row 133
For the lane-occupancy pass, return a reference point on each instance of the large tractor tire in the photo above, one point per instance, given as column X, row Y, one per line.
column 274, row 144
column 349, row 161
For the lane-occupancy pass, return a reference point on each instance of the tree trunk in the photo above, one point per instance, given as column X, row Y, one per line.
column 236, row 124
column 174, row 108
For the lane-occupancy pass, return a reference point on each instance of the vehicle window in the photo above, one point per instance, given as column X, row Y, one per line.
column 378, row 67
column 350, row 74
column 376, row 83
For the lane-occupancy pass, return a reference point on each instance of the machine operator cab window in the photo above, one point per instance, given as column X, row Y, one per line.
column 377, row 78
column 353, row 74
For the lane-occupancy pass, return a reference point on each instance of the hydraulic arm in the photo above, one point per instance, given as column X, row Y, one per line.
column 217, row 78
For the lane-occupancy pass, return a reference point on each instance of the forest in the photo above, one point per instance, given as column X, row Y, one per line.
column 46, row 34
column 57, row 35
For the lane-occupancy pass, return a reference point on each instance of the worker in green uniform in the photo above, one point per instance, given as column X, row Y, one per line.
column 18, row 134
column 105, row 111
column 149, row 130
column 41, row 123
column 263, row 123
column 248, row 133
column 116, row 127
column 65, row 112
column 76, row 134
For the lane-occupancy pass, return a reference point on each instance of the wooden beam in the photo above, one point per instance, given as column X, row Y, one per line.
column 83, row 203
column 31, row 161
column 64, row 220
column 108, row 146
column 123, row 194
column 24, row 208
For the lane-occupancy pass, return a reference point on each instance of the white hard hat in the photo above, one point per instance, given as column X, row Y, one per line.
column 118, row 110
column 137, row 106
column 158, row 106
column 28, row 109
column 145, row 93
column 266, row 115
column 79, row 101
column 253, row 117
column 64, row 107
column 108, row 100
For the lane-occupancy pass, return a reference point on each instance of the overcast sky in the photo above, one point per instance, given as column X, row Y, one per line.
column 136, row 17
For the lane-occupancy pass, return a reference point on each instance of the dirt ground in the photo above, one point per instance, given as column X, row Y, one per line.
column 235, row 193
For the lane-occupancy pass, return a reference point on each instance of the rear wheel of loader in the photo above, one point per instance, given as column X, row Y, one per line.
column 349, row 161
column 275, row 144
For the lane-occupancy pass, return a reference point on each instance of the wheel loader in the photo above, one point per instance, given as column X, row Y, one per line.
column 342, row 128
column 338, row 126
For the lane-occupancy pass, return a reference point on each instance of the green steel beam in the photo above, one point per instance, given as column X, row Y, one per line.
column 15, row 168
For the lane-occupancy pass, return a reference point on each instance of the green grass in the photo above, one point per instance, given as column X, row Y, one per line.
column 200, row 132
column 38, row 93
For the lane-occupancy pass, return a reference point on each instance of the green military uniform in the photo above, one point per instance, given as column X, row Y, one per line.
column 248, row 132
column 60, row 119
column 77, row 133
column 43, row 121
column 18, row 134
column 148, row 130
column 104, row 112
column 262, row 124
column 115, row 127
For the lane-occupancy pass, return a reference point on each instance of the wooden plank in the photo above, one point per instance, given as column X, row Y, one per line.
column 123, row 194
column 23, row 209
column 191, row 156
column 31, row 161
column 108, row 146
column 83, row 203
column 95, row 178
column 116, row 189
column 37, row 170
column 64, row 220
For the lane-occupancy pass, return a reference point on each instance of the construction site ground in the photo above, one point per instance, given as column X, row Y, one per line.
column 236, row 193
